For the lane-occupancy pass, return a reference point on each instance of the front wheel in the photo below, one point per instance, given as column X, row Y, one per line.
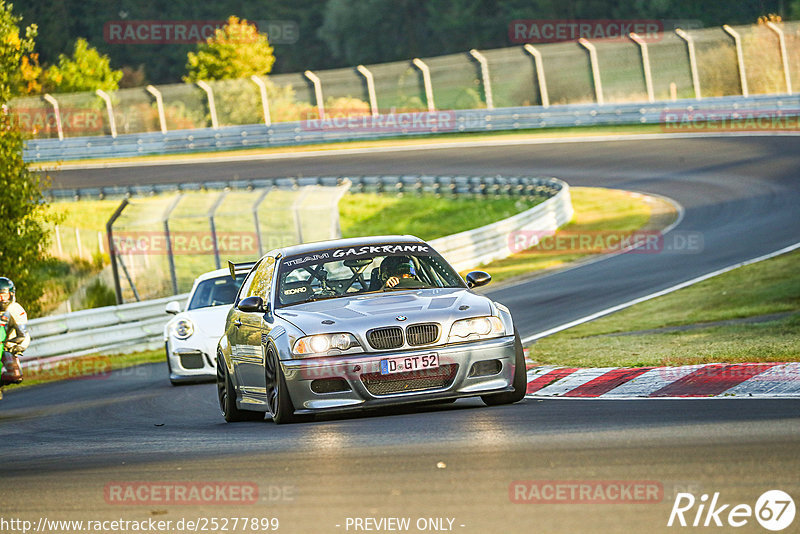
column 227, row 397
column 278, row 401
column 520, row 379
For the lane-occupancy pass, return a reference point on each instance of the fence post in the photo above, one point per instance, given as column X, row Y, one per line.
column 487, row 83
column 426, row 80
column 78, row 241
column 162, row 118
column 212, row 107
column 317, row 92
column 58, row 243
column 262, row 87
column 539, row 64
column 296, row 212
column 257, row 203
column 737, row 41
column 112, row 250
column 784, row 57
column 53, row 102
column 598, row 85
column 170, row 255
column 692, row 61
column 112, row 121
column 211, row 212
column 648, row 79
column 373, row 99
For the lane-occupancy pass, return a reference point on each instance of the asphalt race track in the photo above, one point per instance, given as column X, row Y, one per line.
column 66, row 446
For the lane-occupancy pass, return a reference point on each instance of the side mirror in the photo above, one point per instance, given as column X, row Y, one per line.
column 478, row 278
column 252, row 305
column 173, row 307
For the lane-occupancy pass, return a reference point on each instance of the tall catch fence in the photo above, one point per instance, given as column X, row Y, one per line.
column 691, row 64
column 161, row 243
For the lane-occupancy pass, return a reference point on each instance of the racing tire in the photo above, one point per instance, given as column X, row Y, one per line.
column 520, row 379
column 279, row 403
column 227, row 397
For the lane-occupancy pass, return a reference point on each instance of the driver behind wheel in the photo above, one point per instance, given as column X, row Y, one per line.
column 402, row 273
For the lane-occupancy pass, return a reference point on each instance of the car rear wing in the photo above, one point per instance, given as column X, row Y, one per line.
column 239, row 268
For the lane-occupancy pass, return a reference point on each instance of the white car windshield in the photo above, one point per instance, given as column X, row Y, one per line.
column 216, row 291
column 375, row 268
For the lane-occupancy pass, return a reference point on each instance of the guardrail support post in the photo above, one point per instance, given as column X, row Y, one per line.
column 426, row 80
column 737, row 41
column 373, row 99
column 170, row 255
column 53, row 102
column 784, row 57
column 211, row 212
column 212, row 107
column 112, row 249
column 598, row 85
column 692, row 61
column 162, row 118
column 112, row 121
column 539, row 64
column 487, row 83
column 648, row 79
column 262, row 87
column 317, row 92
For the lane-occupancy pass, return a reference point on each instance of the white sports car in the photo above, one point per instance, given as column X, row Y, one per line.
column 191, row 337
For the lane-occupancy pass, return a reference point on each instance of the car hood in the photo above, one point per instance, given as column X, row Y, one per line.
column 360, row 313
column 207, row 321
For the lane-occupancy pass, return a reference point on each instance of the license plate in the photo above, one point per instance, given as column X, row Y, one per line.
column 405, row 364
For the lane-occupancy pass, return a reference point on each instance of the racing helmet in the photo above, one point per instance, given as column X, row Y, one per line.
column 405, row 268
column 7, row 293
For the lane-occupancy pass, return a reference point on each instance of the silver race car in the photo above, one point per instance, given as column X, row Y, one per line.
column 362, row 323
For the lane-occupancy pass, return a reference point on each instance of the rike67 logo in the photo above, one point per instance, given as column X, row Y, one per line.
column 774, row 510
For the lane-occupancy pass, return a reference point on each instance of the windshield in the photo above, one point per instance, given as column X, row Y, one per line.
column 375, row 268
column 216, row 291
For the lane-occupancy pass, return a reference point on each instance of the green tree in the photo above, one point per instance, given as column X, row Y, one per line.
column 86, row 70
column 236, row 50
column 13, row 51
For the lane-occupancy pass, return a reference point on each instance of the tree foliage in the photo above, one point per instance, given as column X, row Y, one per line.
column 85, row 70
column 14, row 49
column 237, row 50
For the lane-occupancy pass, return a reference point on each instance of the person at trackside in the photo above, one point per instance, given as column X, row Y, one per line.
column 13, row 333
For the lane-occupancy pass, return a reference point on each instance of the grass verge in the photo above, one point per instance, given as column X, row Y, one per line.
column 598, row 212
column 741, row 296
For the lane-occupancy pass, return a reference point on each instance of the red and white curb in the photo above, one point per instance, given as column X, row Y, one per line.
column 706, row 380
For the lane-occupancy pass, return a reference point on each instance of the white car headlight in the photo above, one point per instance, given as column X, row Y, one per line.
column 321, row 344
column 476, row 328
column 182, row 329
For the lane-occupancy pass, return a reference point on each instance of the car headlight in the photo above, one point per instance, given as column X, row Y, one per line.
column 182, row 328
column 476, row 328
column 321, row 344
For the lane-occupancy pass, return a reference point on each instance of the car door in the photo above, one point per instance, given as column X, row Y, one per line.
column 251, row 329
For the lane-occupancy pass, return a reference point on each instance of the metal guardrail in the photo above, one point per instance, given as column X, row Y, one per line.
column 473, row 120
column 140, row 325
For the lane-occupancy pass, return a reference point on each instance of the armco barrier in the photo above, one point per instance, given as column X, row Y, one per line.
column 474, row 120
column 140, row 325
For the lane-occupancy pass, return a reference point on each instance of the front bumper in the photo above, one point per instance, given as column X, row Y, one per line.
column 366, row 387
column 192, row 360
